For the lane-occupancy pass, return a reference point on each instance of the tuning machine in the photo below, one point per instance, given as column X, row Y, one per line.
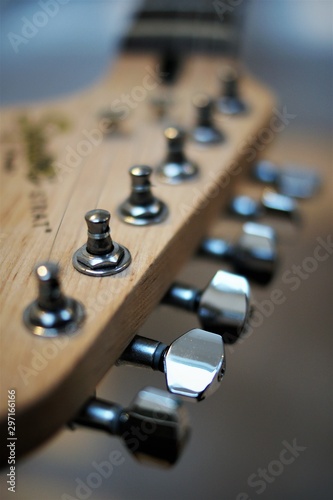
column 193, row 364
column 253, row 255
column 223, row 307
column 154, row 427
column 291, row 180
column 270, row 203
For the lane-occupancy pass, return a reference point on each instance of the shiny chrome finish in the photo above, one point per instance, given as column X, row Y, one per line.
column 271, row 202
column 194, row 364
column 253, row 255
column 176, row 168
column 222, row 307
column 142, row 207
column 53, row 313
column 100, row 256
column 291, row 180
column 230, row 102
column 154, row 427
column 205, row 132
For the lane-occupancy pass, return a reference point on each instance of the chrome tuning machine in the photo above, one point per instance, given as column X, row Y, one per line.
column 292, row 180
column 154, row 427
column 193, row 364
column 254, row 255
column 270, row 203
column 223, row 307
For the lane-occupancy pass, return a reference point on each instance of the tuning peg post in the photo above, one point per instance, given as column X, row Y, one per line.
column 142, row 208
column 292, row 180
column 154, row 427
column 176, row 168
column 205, row 132
column 193, row 364
column 230, row 102
column 52, row 313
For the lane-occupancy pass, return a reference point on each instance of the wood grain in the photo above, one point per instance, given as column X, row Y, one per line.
column 53, row 378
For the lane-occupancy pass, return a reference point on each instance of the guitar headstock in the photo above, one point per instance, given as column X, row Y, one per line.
column 63, row 159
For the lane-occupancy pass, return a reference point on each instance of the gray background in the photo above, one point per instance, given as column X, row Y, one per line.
column 277, row 386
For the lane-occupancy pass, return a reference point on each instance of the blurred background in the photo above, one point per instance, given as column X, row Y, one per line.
column 278, row 383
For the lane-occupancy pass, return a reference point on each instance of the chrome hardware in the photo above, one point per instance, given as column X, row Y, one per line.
column 100, row 256
column 291, row 180
column 193, row 364
column 222, row 307
column 205, row 132
column 142, row 207
column 230, row 102
column 176, row 168
column 155, row 426
column 270, row 203
column 253, row 255
column 53, row 313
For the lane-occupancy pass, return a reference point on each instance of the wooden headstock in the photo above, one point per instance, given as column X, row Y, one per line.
column 77, row 164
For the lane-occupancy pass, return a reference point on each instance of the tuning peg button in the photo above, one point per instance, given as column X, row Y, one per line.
column 254, row 254
column 270, row 203
column 205, row 132
column 154, row 427
column 222, row 307
column 176, row 168
column 142, row 207
column 100, row 256
column 52, row 313
column 193, row 364
column 230, row 102
column 291, row 180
